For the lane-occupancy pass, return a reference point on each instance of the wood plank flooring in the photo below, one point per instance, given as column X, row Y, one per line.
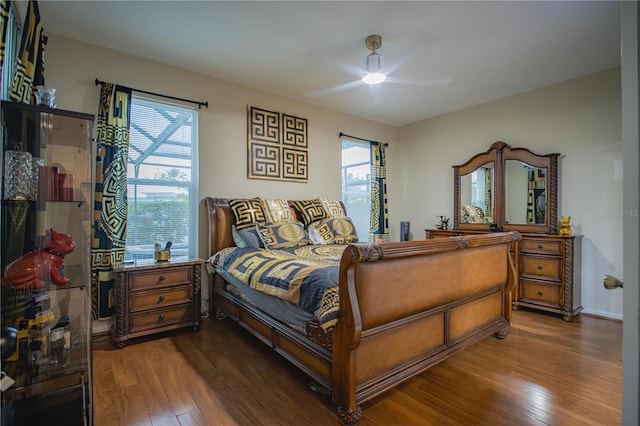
column 547, row 372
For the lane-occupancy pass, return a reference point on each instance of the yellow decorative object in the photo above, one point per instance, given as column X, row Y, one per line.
column 565, row 225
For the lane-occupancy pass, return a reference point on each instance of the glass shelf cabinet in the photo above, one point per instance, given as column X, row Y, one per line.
column 45, row 225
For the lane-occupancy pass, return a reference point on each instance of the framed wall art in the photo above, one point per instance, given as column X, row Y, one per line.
column 277, row 146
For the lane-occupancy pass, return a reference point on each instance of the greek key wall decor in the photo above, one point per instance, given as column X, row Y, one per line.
column 278, row 146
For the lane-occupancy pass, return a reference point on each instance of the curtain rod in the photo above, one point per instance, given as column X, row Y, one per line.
column 360, row 139
column 200, row 104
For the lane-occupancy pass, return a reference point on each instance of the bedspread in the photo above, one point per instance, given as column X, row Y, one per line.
column 305, row 275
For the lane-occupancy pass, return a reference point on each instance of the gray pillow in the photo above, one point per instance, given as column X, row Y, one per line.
column 246, row 237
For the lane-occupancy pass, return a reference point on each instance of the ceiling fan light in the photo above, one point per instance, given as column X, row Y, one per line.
column 374, row 64
column 374, row 78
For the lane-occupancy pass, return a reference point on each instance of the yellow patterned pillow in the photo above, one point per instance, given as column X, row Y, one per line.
column 277, row 210
column 333, row 207
column 310, row 210
column 283, row 235
column 247, row 212
column 339, row 230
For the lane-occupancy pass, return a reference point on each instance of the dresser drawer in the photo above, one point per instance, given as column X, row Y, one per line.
column 139, row 301
column 155, row 278
column 538, row 292
column 159, row 318
column 542, row 266
column 552, row 247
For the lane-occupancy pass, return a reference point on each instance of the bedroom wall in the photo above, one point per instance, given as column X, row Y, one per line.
column 580, row 119
column 72, row 67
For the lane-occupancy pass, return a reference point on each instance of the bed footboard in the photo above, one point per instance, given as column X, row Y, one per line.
column 407, row 306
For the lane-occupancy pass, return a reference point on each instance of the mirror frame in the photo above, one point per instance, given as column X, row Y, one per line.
column 499, row 153
column 464, row 169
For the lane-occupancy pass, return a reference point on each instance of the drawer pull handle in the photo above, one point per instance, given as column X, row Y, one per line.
column 161, row 317
column 540, row 246
column 539, row 292
column 161, row 278
column 161, row 298
column 540, row 267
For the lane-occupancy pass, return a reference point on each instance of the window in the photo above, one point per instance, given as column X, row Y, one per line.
column 356, row 184
column 162, row 179
column 477, row 188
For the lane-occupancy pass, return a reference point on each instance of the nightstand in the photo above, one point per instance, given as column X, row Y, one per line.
column 152, row 297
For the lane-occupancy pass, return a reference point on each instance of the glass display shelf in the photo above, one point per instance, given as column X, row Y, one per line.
column 45, row 223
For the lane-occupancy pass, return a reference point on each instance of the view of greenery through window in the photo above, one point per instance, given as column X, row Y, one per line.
column 161, row 179
column 356, row 185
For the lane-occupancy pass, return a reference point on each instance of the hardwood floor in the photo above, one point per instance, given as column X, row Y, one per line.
column 547, row 372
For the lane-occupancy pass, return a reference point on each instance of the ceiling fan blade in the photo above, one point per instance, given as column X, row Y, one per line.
column 335, row 89
column 432, row 82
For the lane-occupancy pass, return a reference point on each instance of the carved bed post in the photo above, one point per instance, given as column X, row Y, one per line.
column 346, row 338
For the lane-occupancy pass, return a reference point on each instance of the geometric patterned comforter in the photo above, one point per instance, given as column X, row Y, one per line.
column 305, row 275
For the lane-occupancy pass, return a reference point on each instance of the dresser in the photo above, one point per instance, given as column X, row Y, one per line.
column 548, row 269
column 153, row 297
column 549, row 274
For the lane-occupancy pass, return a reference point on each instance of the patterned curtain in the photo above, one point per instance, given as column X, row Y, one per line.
column 4, row 23
column 30, row 66
column 379, row 220
column 110, row 206
column 488, row 188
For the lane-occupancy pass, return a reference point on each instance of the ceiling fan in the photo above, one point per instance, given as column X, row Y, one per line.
column 373, row 74
column 374, row 61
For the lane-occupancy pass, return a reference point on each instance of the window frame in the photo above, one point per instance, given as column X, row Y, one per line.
column 192, row 184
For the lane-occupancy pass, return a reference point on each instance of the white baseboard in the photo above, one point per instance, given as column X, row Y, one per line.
column 602, row 314
column 101, row 326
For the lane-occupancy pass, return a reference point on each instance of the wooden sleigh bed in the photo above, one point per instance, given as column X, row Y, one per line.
column 403, row 307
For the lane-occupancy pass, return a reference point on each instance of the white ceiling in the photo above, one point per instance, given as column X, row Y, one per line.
column 439, row 56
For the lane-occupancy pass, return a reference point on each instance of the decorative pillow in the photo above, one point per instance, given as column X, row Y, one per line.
column 310, row 210
column 247, row 212
column 338, row 230
column 473, row 214
column 246, row 237
column 283, row 235
column 479, row 212
column 277, row 210
column 332, row 207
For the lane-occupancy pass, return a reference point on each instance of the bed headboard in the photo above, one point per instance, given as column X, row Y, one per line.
column 220, row 220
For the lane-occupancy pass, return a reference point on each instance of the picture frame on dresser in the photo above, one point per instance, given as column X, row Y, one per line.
column 516, row 189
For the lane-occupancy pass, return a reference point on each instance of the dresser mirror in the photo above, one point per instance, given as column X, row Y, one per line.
column 512, row 188
column 476, row 195
column 525, row 190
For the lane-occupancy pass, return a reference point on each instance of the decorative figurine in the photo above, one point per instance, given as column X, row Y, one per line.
column 444, row 222
column 565, row 225
column 34, row 269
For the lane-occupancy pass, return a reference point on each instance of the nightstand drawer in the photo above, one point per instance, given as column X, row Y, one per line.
column 537, row 292
column 161, row 277
column 541, row 266
column 160, row 318
column 157, row 299
column 553, row 247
